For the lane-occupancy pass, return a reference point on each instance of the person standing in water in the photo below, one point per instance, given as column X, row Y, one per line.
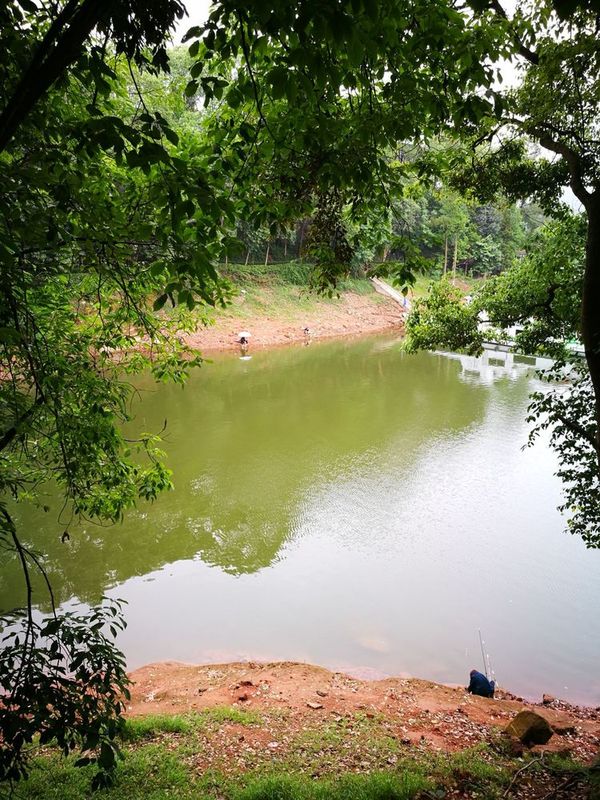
column 243, row 340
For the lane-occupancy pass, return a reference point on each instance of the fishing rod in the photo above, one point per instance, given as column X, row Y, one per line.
column 487, row 661
column 482, row 653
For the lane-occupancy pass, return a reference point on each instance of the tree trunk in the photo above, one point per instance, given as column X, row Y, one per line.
column 247, row 256
column 445, row 253
column 267, row 255
column 454, row 259
column 285, row 248
column 590, row 306
column 301, row 239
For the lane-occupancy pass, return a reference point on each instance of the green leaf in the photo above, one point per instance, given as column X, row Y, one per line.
column 196, row 30
column 9, row 335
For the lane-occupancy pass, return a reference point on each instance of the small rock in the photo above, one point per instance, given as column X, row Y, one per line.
column 243, row 696
column 314, row 706
column 547, row 699
column 515, row 747
column 202, row 689
column 321, row 693
column 529, row 728
column 273, row 745
column 563, row 726
column 246, row 683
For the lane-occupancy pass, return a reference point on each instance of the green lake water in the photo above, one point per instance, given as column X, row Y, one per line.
column 347, row 505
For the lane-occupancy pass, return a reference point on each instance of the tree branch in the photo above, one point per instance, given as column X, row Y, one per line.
column 59, row 49
column 529, row 55
column 573, row 160
column 575, row 428
column 8, row 435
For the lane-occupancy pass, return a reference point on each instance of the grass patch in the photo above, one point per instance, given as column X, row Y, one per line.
column 220, row 714
column 139, row 728
column 149, row 772
column 193, row 757
column 375, row 786
column 474, row 769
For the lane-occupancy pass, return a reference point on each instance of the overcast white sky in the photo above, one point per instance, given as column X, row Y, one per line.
column 197, row 14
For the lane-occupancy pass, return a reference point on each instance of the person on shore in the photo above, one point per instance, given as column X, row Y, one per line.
column 480, row 685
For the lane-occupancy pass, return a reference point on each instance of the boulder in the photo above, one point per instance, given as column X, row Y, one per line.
column 529, row 728
column 547, row 699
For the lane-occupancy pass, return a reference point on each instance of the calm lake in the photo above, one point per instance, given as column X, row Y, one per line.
column 351, row 506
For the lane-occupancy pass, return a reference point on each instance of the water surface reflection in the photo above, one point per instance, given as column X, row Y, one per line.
column 352, row 506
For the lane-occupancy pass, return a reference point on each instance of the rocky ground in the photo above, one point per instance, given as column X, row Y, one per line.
column 292, row 700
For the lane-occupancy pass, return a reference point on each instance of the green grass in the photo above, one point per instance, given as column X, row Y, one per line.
column 138, row 729
column 375, row 786
column 221, row 714
column 353, row 758
column 291, row 273
column 269, row 293
column 150, row 727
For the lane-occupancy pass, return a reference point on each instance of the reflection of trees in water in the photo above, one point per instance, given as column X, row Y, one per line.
column 246, row 441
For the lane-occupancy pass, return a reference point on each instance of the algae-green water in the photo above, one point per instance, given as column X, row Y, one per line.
column 348, row 505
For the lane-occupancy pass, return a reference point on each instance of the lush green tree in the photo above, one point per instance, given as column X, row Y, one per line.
column 556, row 105
column 442, row 319
column 319, row 96
column 541, row 296
column 104, row 211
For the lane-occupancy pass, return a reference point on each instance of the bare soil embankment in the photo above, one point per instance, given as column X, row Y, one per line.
column 294, row 697
column 272, row 322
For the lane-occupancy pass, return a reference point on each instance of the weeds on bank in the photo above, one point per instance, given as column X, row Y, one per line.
column 150, row 727
column 351, row 758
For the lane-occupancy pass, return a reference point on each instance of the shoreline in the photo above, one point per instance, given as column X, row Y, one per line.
column 415, row 711
column 350, row 315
